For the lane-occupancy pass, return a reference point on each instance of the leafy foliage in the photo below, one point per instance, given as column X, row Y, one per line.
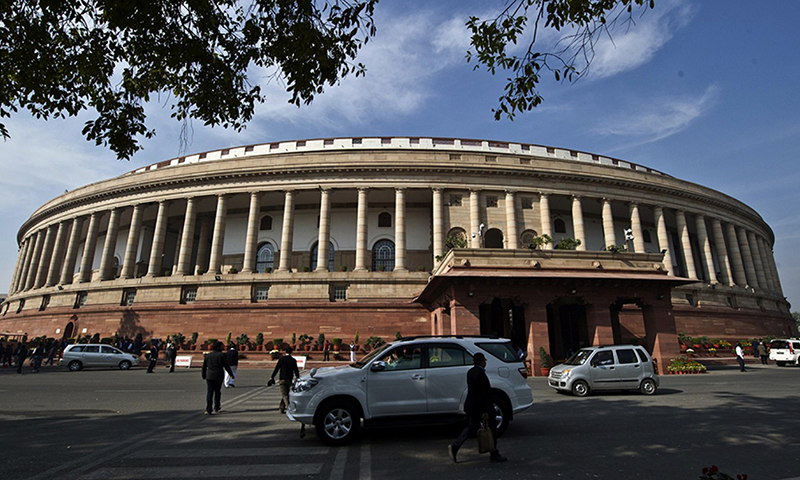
column 492, row 41
column 567, row 244
column 112, row 56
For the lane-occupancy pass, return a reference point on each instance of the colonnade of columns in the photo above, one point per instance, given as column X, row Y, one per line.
column 47, row 257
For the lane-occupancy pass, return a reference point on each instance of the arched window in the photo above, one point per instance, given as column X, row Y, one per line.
column 559, row 226
column 385, row 219
column 646, row 236
column 265, row 258
column 314, row 257
column 526, row 239
column 456, row 238
column 383, row 256
column 493, row 238
column 266, row 223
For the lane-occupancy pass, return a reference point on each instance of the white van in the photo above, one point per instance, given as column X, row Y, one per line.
column 615, row 367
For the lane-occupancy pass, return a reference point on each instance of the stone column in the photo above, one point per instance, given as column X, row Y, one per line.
column 23, row 252
column 776, row 278
column 438, row 224
column 756, row 255
column 47, row 254
column 577, row 222
column 686, row 244
column 58, row 255
column 608, row 224
column 663, row 239
column 85, row 273
column 636, row 228
column 324, row 238
column 287, row 232
column 106, row 261
column 132, row 246
column 511, row 220
column 705, row 248
column 544, row 216
column 202, row 246
column 187, row 239
column 218, row 238
column 32, row 240
column 362, row 226
column 768, row 274
column 68, row 270
column 474, row 219
column 251, row 240
column 747, row 258
column 722, row 253
column 157, row 249
column 736, row 257
column 400, row 229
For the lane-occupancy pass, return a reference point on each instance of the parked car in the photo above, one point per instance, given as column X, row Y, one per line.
column 784, row 350
column 616, row 367
column 415, row 379
column 75, row 357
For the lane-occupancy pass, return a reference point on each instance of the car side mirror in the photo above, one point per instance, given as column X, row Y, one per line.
column 378, row 366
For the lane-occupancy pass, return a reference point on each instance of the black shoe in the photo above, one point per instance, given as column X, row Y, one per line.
column 233, row 386
column 452, row 450
column 216, row 410
column 207, row 412
column 497, row 458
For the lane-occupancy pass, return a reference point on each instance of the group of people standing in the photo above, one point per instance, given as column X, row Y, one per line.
column 759, row 351
column 15, row 355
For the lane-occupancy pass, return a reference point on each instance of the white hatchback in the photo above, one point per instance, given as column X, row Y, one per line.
column 784, row 350
column 416, row 379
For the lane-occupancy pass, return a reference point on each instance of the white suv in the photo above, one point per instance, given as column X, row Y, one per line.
column 415, row 379
column 75, row 357
column 784, row 350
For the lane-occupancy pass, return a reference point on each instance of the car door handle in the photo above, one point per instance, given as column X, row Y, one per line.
column 417, row 377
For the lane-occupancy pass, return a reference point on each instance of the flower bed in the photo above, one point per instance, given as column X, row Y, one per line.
column 684, row 365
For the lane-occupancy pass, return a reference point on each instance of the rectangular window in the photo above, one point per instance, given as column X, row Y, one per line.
column 491, row 201
column 189, row 294
column 45, row 302
column 80, row 299
column 260, row 293
column 455, row 200
column 128, row 297
column 626, row 356
column 527, row 203
column 448, row 356
column 339, row 292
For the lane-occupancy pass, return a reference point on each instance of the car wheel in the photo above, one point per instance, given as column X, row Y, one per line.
column 648, row 386
column 124, row 365
column 580, row 388
column 338, row 423
column 74, row 366
column 502, row 414
column 780, row 364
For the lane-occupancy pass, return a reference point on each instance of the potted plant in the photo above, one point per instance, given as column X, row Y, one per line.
column 294, row 341
column 398, row 335
column 193, row 341
column 355, row 340
column 276, row 343
column 260, row 341
column 210, row 342
column 375, row 342
column 567, row 244
column 242, row 340
column 337, row 344
column 544, row 370
column 320, row 341
column 712, row 352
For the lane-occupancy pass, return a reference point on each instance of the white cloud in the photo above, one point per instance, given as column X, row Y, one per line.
column 654, row 119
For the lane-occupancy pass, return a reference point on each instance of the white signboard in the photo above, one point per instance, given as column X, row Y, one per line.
column 301, row 362
column 183, row 361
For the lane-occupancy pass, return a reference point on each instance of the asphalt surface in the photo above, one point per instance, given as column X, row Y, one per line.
column 110, row 424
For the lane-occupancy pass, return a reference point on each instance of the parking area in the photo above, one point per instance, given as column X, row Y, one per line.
column 127, row 424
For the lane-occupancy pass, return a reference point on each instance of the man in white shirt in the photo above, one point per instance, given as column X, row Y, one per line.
column 740, row 356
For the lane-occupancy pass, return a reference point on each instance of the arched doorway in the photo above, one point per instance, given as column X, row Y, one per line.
column 69, row 329
column 265, row 257
column 567, row 327
column 383, row 256
column 493, row 238
column 504, row 318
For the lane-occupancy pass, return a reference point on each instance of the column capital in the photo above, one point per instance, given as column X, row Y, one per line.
column 510, row 191
column 544, row 194
column 363, row 189
column 474, row 190
column 575, row 196
column 437, row 189
column 633, row 203
column 400, row 189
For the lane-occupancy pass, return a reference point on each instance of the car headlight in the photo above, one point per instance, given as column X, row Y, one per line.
column 305, row 384
column 565, row 373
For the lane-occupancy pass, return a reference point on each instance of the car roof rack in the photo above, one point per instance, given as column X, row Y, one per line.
column 416, row 337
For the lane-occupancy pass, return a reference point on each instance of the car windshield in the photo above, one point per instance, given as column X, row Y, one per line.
column 578, row 358
column 372, row 355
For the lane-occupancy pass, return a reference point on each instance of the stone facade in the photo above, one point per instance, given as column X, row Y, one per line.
column 228, row 240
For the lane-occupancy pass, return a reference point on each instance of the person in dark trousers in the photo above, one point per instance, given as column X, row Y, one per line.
column 21, row 353
column 478, row 408
column 762, row 352
column 152, row 356
column 754, row 345
column 38, row 356
column 286, row 369
column 214, row 364
column 233, row 361
column 326, row 351
column 740, row 356
column 8, row 356
column 172, row 354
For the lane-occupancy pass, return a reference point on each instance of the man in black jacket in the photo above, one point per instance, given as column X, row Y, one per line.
column 21, row 353
column 152, row 355
column 287, row 367
column 478, row 408
column 233, row 361
column 214, row 364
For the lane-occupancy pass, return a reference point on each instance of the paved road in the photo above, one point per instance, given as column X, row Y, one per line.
column 107, row 424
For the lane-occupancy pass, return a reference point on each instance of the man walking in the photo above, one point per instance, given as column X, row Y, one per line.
column 286, row 369
column 21, row 353
column 214, row 364
column 233, row 361
column 152, row 356
column 740, row 356
column 172, row 355
column 478, row 407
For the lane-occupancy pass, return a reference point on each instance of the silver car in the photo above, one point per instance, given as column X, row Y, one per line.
column 616, row 367
column 75, row 357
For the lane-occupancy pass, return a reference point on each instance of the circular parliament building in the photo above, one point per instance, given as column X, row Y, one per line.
column 549, row 247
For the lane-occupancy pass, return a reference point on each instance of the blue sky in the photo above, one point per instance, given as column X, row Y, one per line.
column 706, row 91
